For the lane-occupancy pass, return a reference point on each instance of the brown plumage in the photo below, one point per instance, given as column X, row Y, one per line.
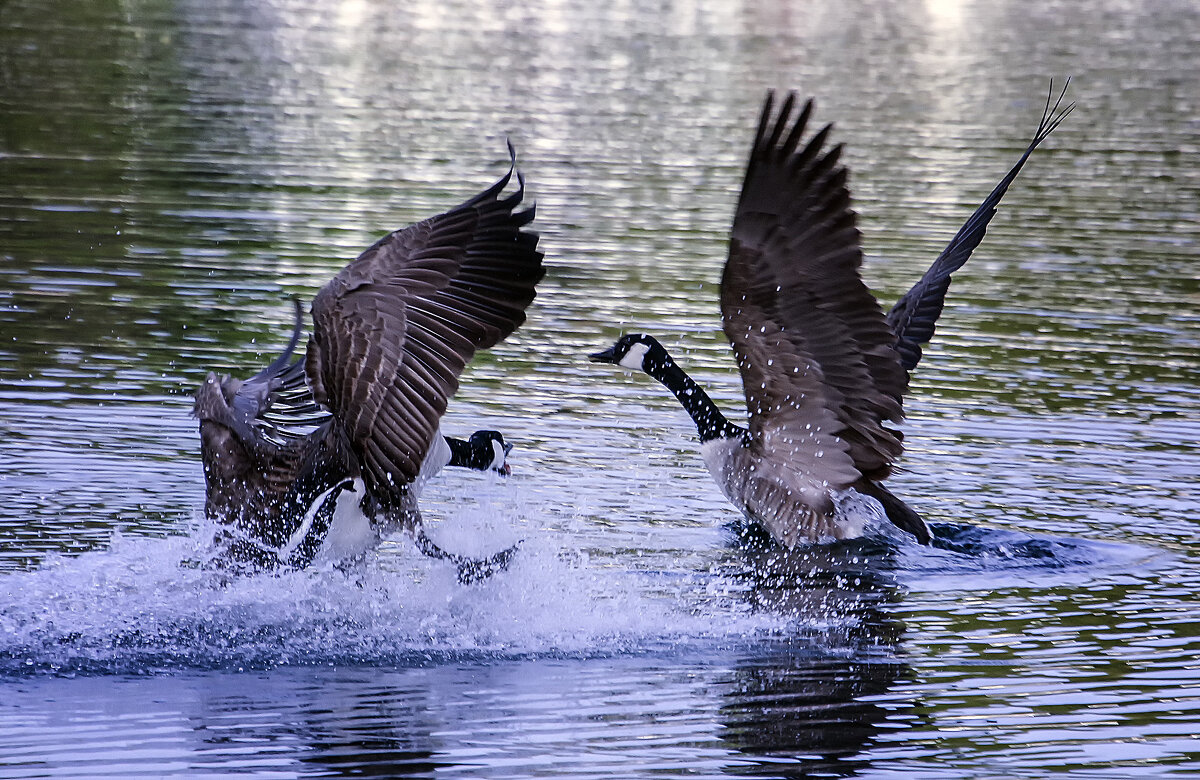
column 391, row 334
column 823, row 369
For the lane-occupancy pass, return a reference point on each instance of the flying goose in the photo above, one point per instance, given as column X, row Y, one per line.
column 391, row 333
column 822, row 367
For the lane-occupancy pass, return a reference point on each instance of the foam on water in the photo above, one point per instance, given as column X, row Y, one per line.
column 139, row 607
column 142, row 606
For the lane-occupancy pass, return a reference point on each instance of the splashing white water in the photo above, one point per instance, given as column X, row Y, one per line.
column 138, row 606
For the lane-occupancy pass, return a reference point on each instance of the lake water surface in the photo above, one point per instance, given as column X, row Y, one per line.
column 171, row 173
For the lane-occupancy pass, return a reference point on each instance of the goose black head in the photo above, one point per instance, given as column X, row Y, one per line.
column 634, row 351
column 489, row 451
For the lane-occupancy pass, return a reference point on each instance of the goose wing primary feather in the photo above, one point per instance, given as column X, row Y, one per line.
column 913, row 317
column 276, row 402
column 395, row 328
column 817, row 358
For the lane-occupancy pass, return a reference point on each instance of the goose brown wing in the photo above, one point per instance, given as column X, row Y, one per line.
column 791, row 418
column 913, row 317
column 811, row 341
column 395, row 328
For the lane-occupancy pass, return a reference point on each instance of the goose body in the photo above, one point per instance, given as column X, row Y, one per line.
column 391, row 333
column 824, row 370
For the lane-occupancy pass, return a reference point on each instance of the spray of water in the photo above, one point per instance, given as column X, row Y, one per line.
column 140, row 606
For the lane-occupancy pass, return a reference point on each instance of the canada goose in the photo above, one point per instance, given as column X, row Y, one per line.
column 391, row 333
column 822, row 367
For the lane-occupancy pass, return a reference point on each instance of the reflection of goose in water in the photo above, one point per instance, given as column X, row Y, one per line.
column 391, row 333
column 822, row 368
column 809, row 714
column 808, row 704
column 850, row 584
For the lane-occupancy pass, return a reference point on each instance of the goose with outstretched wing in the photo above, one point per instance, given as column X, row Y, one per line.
column 823, row 368
column 391, row 334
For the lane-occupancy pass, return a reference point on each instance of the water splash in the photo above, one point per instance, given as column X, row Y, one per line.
column 138, row 607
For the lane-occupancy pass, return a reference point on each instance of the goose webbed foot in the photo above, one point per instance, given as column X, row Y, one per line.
column 237, row 556
column 749, row 535
column 470, row 570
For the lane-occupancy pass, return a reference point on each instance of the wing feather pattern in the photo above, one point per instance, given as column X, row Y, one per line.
column 913, row 317
column 393, row 330
column 817, row 359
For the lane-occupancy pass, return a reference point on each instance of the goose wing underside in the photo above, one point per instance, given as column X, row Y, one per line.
column 913, row 317
column 395, row 328
column 811, row 341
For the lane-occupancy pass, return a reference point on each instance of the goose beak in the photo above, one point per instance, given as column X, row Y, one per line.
column 505, row 470
column 607, row 356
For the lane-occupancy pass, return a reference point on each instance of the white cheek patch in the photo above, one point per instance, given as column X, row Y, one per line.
column 497, row 456
column 634, row 357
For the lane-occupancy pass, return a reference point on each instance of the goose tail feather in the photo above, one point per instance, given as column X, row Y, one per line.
column 901, row 514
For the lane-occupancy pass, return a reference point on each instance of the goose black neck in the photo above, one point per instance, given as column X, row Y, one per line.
column 708, row 418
